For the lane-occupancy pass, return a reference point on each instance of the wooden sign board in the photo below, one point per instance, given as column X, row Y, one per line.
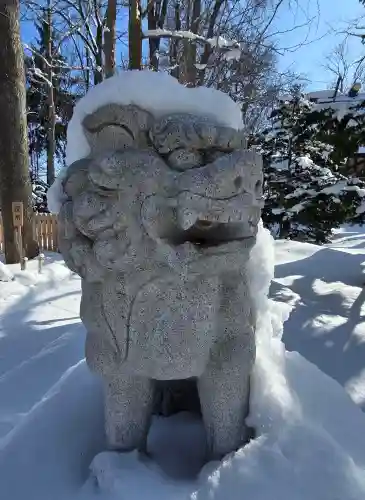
column 18, row 214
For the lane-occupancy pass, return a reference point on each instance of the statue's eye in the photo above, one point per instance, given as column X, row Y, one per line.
column 112, row 137
column 183, row 159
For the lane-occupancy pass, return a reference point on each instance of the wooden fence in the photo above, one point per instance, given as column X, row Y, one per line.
column 45, row 227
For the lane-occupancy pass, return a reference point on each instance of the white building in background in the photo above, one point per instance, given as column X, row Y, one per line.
column 333, row 99
column 338, row 101
column 341, row 102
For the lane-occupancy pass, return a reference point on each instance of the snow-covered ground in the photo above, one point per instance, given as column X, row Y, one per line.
column 326, row 286
column 311, row 443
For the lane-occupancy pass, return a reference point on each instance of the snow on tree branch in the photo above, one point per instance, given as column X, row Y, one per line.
column 217, row 42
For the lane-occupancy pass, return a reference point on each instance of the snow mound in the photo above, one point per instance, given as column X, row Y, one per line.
column 318, row 455
column 157, row 92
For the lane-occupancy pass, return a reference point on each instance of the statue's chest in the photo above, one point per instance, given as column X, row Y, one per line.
column 170, row 325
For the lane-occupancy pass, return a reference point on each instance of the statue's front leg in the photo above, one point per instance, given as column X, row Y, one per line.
column 224, row 387
column 224, row 391
column 128, row 411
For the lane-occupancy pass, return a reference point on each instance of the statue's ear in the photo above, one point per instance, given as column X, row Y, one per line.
column 114, row 127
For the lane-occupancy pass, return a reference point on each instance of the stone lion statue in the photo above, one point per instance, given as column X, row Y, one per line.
column 159, row 221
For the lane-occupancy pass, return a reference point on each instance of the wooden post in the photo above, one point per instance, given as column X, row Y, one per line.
column 18, row 222
column 40, row 262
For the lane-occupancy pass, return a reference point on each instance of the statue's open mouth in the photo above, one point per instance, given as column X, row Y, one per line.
column 201, row 222
column 207, row 222
column 206, row 234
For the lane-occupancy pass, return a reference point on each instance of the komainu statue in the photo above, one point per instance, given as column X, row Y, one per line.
column 159, row 221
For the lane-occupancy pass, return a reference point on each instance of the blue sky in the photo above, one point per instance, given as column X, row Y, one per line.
column 328, row 15
column 333, row 15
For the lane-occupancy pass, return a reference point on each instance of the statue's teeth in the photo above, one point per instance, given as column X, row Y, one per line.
column 221, row 217
column 186, row 218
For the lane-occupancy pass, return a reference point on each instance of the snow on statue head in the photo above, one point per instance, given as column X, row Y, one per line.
column 159, row 220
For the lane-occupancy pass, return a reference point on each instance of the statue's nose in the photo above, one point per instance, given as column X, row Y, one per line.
column 226, row 177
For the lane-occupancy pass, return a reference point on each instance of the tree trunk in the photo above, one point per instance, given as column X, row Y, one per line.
column 208, row 49
column 14, row 171
column 109, row 39
column 156, row 16
column 87, row 70
column 135, row 35
column 98, row 72
column 174, row 44
column 153, row 42
column 190, row 71
column 51, row 126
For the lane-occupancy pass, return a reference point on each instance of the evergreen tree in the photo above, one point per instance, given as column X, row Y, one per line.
column 345, row 132
column 306, row 194
column 39, row 195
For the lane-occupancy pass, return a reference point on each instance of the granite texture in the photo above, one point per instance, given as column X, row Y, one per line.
column 159, row 222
